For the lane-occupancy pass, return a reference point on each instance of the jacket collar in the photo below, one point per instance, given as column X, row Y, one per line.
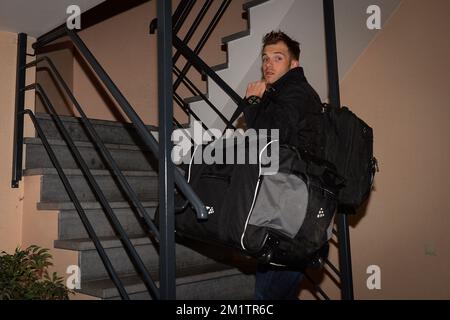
column 293, row 74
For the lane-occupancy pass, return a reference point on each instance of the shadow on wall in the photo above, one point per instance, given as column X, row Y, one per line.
column 99, row 88
column 58, row 53
column 63, row 54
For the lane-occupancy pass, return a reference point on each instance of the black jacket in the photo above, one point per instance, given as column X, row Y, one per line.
column 286, row 106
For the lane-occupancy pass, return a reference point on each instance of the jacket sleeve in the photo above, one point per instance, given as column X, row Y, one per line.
column 250, row 112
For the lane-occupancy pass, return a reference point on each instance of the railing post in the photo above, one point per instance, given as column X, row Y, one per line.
column 166, row 166
column 345, row 262
column 19, row 108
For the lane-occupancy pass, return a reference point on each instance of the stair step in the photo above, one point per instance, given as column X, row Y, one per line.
column 228, row 284
column 109, row 131
column 144, row 184
column 236, row 36
column 253, row 3
column 71, row 227
column 89, row 205
column 188, row 261
column 219, row 67
column 193, row 99
column 127, row 157
column 78, row 172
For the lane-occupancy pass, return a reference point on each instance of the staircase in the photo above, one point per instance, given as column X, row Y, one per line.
column 210, row 275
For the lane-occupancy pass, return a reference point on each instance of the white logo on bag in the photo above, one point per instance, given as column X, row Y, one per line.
column 321, row 213
column 210, row 210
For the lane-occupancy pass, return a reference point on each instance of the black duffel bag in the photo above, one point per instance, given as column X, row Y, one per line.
column 281, row 217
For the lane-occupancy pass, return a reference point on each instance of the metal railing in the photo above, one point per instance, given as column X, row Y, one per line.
column 99, row 144
column 345, row 261
column 76, row 202
column 183, row 10
column 133, row 254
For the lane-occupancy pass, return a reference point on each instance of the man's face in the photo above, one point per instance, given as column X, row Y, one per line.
column 276, row 61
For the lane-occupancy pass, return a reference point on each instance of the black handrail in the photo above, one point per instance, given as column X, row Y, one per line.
column 179, row 16
column 332, row 267
column 183, row 9
column 167, row 264
column 146, row 136
column 76, row 202
column 187, row 109
column 316, row 286
column 193, row 28
column 19, row 107
column 101, row 146
column 209, row 30
column 195, row 91
column 134, row 256
column 203, row 40
column 200, row 64
column 345, row 266
column 50, row 37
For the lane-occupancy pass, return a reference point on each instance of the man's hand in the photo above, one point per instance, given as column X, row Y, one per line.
column 256, row 89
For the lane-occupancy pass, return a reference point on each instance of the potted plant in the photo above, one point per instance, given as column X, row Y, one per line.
column 24, row 276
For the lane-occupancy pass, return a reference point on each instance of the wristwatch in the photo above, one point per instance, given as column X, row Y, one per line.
column 253, row 100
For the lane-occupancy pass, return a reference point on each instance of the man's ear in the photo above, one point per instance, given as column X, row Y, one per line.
column 294, row 64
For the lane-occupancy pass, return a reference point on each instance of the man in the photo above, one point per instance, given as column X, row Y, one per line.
column 281, row 100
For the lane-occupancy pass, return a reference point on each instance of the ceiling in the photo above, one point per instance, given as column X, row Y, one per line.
column 38, row 16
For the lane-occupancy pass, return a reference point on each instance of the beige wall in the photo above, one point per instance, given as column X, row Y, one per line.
column 128, row 53
column 11, row 200
column 40, row 227
column 400, row 86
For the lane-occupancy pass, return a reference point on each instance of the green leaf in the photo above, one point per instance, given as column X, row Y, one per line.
column 24, row 275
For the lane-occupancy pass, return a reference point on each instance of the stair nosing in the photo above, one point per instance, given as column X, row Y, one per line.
column 93, row 121
column 219, row 67
column 235, row 36
column 95, row 172
column 253, row 3
column 136, row 285
column 193, row 99
column 85, row 144
column 90, row 205
column 86, row 244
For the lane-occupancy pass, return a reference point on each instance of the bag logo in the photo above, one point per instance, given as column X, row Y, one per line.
column 210, row 210
column 321, row 213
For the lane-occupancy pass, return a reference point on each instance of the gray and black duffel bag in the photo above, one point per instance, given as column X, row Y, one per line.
column 282, row 216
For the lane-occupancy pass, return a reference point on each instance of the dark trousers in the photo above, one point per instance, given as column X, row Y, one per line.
column 275, row 283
